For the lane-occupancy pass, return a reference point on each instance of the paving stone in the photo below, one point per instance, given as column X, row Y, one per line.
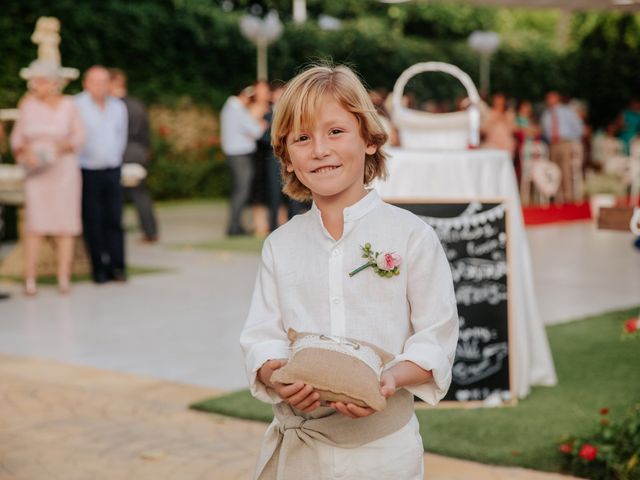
column 78, row 423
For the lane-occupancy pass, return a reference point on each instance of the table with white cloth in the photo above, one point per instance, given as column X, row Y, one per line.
column 481, row 174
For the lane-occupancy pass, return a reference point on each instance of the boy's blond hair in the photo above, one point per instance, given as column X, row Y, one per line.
column 296, row 109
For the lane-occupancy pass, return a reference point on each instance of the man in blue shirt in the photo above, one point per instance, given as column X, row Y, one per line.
column 105, row 120
column 562, row 128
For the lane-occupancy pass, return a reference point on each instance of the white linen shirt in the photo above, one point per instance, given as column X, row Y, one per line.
column 303, row 282
column 239, row 131
column 106, row 132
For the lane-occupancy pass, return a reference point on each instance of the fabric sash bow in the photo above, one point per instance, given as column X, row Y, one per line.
column 289, row 448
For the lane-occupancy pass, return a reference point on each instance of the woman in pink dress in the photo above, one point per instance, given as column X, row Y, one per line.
column 45, row 140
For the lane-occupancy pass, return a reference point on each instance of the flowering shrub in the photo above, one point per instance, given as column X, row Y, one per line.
column 186, row 126
column 611, row 453
column 632, row 328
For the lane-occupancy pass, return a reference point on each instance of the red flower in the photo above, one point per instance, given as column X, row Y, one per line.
column 163, row 131
column 604, row 411
column 565, row 448
column 588, row 452
column 631, row 325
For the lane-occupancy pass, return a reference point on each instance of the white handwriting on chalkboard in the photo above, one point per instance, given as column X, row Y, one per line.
column 483, row 248
column 477, row 269
column 452, row 253
column 467, row 233
column 491, row 292
column 470, row 217
column 483, row 334
column 482, row 393
column 492, row 356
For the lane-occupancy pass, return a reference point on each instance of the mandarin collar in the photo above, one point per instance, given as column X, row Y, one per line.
column 357, row 210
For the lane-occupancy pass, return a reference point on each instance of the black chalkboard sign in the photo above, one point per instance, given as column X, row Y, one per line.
column 475, row 239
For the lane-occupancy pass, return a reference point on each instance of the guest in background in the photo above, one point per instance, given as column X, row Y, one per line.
column 260, row 194
column 277, row 208
column 105, row 119
column 499, row 125
column 562, row 126
column 137, row 151
column 630, row 123
column 240, row 128
column 45, row 140
column 526, row 131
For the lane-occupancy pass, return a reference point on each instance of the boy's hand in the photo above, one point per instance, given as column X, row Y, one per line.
column 267, row 369
column 298, row 395
column 387, row 388
column 388, row 385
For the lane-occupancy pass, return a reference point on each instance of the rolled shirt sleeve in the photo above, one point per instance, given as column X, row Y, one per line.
column 263, row 337
column 433, row 315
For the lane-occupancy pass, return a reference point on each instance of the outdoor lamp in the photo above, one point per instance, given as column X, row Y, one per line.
column 485, row 43
column 262, row 32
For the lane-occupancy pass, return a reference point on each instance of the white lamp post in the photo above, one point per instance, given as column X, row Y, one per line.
column 262, row 32
column 485, row 43
column 299, row 11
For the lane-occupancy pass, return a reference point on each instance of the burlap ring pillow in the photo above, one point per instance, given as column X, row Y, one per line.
column 339, row 369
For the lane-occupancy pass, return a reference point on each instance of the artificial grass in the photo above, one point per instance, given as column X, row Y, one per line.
column 596, row 368
column 242, row 244
column 51, row 279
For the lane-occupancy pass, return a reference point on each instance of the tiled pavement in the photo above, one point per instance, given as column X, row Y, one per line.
column 61, row 422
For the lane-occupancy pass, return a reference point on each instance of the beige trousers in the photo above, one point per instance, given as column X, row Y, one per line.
column 560, row 154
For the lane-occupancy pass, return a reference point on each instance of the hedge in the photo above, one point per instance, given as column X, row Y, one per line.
column 177, row 49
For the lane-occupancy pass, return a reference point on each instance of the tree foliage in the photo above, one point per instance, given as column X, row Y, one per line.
column 193, row 48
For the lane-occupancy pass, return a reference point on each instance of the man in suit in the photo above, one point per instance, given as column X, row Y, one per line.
column 105, row 121
column 137, row 151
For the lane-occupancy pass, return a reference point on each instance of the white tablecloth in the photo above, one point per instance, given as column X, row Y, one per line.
column 446, row 175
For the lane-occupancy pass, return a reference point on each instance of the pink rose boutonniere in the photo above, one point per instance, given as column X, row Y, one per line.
column 385, row 264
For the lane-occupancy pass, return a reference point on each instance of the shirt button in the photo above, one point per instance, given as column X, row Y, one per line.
column 335, row 252
column 336, row 300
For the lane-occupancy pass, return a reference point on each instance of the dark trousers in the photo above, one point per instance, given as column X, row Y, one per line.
column 102, row 198
column 144, row 206
column 274, row 181
column 242, row 173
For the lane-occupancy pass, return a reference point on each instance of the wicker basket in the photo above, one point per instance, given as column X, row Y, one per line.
column 437, row 131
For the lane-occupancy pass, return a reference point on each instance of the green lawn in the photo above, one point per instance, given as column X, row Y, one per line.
column 595, row 367
column 242, row 244
column 51, row 279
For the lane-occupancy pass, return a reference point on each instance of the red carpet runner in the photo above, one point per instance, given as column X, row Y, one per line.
column 556, row 213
